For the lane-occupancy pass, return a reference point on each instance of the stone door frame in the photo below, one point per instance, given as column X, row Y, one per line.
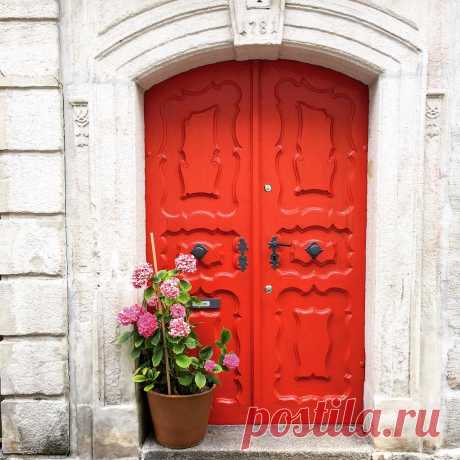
column 103, row 100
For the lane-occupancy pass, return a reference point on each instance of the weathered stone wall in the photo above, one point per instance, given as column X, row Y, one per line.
column 33, row 305
column 451, row 267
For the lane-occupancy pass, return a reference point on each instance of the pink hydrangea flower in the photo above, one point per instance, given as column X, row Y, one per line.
column 141, row 276
column 186, row 263
column 177, row 310
column 147, row 324
column 231, row 360
column 209, row 365
column 170, row 288
column 179, row 328
column 153, row 302
column 130, row 315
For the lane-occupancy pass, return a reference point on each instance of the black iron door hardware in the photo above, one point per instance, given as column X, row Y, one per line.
column 199, row 250
column 313, row 250
column 274, row 244
column 242, row 259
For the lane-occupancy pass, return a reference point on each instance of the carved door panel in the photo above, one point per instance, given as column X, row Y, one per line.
column 257, row 150
column 314, row 139
column 198, row 164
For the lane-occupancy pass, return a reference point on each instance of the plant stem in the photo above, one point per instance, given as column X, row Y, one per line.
column 162, row 322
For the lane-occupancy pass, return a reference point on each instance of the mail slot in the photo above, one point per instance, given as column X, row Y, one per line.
column 207, row 303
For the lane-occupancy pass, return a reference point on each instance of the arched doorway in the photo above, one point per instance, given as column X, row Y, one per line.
column 272, row 156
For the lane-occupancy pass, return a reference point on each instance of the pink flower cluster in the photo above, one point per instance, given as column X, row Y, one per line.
column 179, row 328
column 142, row 275
column 130, row 315
column 186, row 263
column 209, row 365
column 153, row 302
column 177, row 310
column 147, row 324
column 231, row 360
column 170, row 288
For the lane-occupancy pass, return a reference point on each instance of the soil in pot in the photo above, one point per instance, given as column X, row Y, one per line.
column 180, row 421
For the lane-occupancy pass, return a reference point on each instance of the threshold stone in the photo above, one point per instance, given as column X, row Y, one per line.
column 224, row 442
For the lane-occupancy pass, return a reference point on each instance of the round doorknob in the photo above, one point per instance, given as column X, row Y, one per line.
column 268, row 289
column 313, row 250
column 199, row 250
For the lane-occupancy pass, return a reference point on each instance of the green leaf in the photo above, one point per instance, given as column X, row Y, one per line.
column 183, row 297
column 178, row 348
column 173, row 272
column 185, row 286
column 148, row 293
column 173, row 339
column 156, row 338
column 183, row 361
column 149, row 387
column 136, row 353
column 161, row 275
column 139, row 342
column 124, row 337
column 157, row 357
column 225, row 336
column 139, row 369
column 190, row 343
column 206, row 353
column 217, row 368
column 185, row 380
column 200, row 380
column 139, row 378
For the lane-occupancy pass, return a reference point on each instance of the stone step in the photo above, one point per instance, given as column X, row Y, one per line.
column 224, row 442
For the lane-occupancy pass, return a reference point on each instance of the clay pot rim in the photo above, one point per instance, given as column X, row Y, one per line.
column 183, row 396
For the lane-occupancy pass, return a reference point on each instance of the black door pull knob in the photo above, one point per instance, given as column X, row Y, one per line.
column 199, row 250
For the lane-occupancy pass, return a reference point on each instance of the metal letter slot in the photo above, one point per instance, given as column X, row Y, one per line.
column 211, row 303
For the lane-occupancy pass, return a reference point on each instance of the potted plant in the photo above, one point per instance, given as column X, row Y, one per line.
column 178, row 373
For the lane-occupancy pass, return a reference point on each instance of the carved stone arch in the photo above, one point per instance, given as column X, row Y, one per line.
column 137, row 44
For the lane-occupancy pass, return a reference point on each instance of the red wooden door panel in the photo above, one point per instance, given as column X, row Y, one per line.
column 215, row 136
column 313, row 135
column 198, row 165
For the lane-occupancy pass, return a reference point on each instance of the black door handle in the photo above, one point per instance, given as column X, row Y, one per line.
column 242, row 247
column 274, row 244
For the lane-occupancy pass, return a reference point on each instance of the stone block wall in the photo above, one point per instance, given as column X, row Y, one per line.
column 33, row 304
column 451, row 292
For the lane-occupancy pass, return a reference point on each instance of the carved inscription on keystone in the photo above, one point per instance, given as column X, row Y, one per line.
column 257, row 22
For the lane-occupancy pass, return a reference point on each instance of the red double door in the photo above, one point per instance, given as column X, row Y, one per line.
column 262, row 167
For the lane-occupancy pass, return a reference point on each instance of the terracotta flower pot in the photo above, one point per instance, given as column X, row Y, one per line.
column 180, row 421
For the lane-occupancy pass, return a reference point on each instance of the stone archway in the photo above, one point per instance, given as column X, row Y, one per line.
column 135, row 48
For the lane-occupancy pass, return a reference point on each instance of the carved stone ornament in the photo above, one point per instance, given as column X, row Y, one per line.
column 81, row 124
column 257, row 22
column 432, row 116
